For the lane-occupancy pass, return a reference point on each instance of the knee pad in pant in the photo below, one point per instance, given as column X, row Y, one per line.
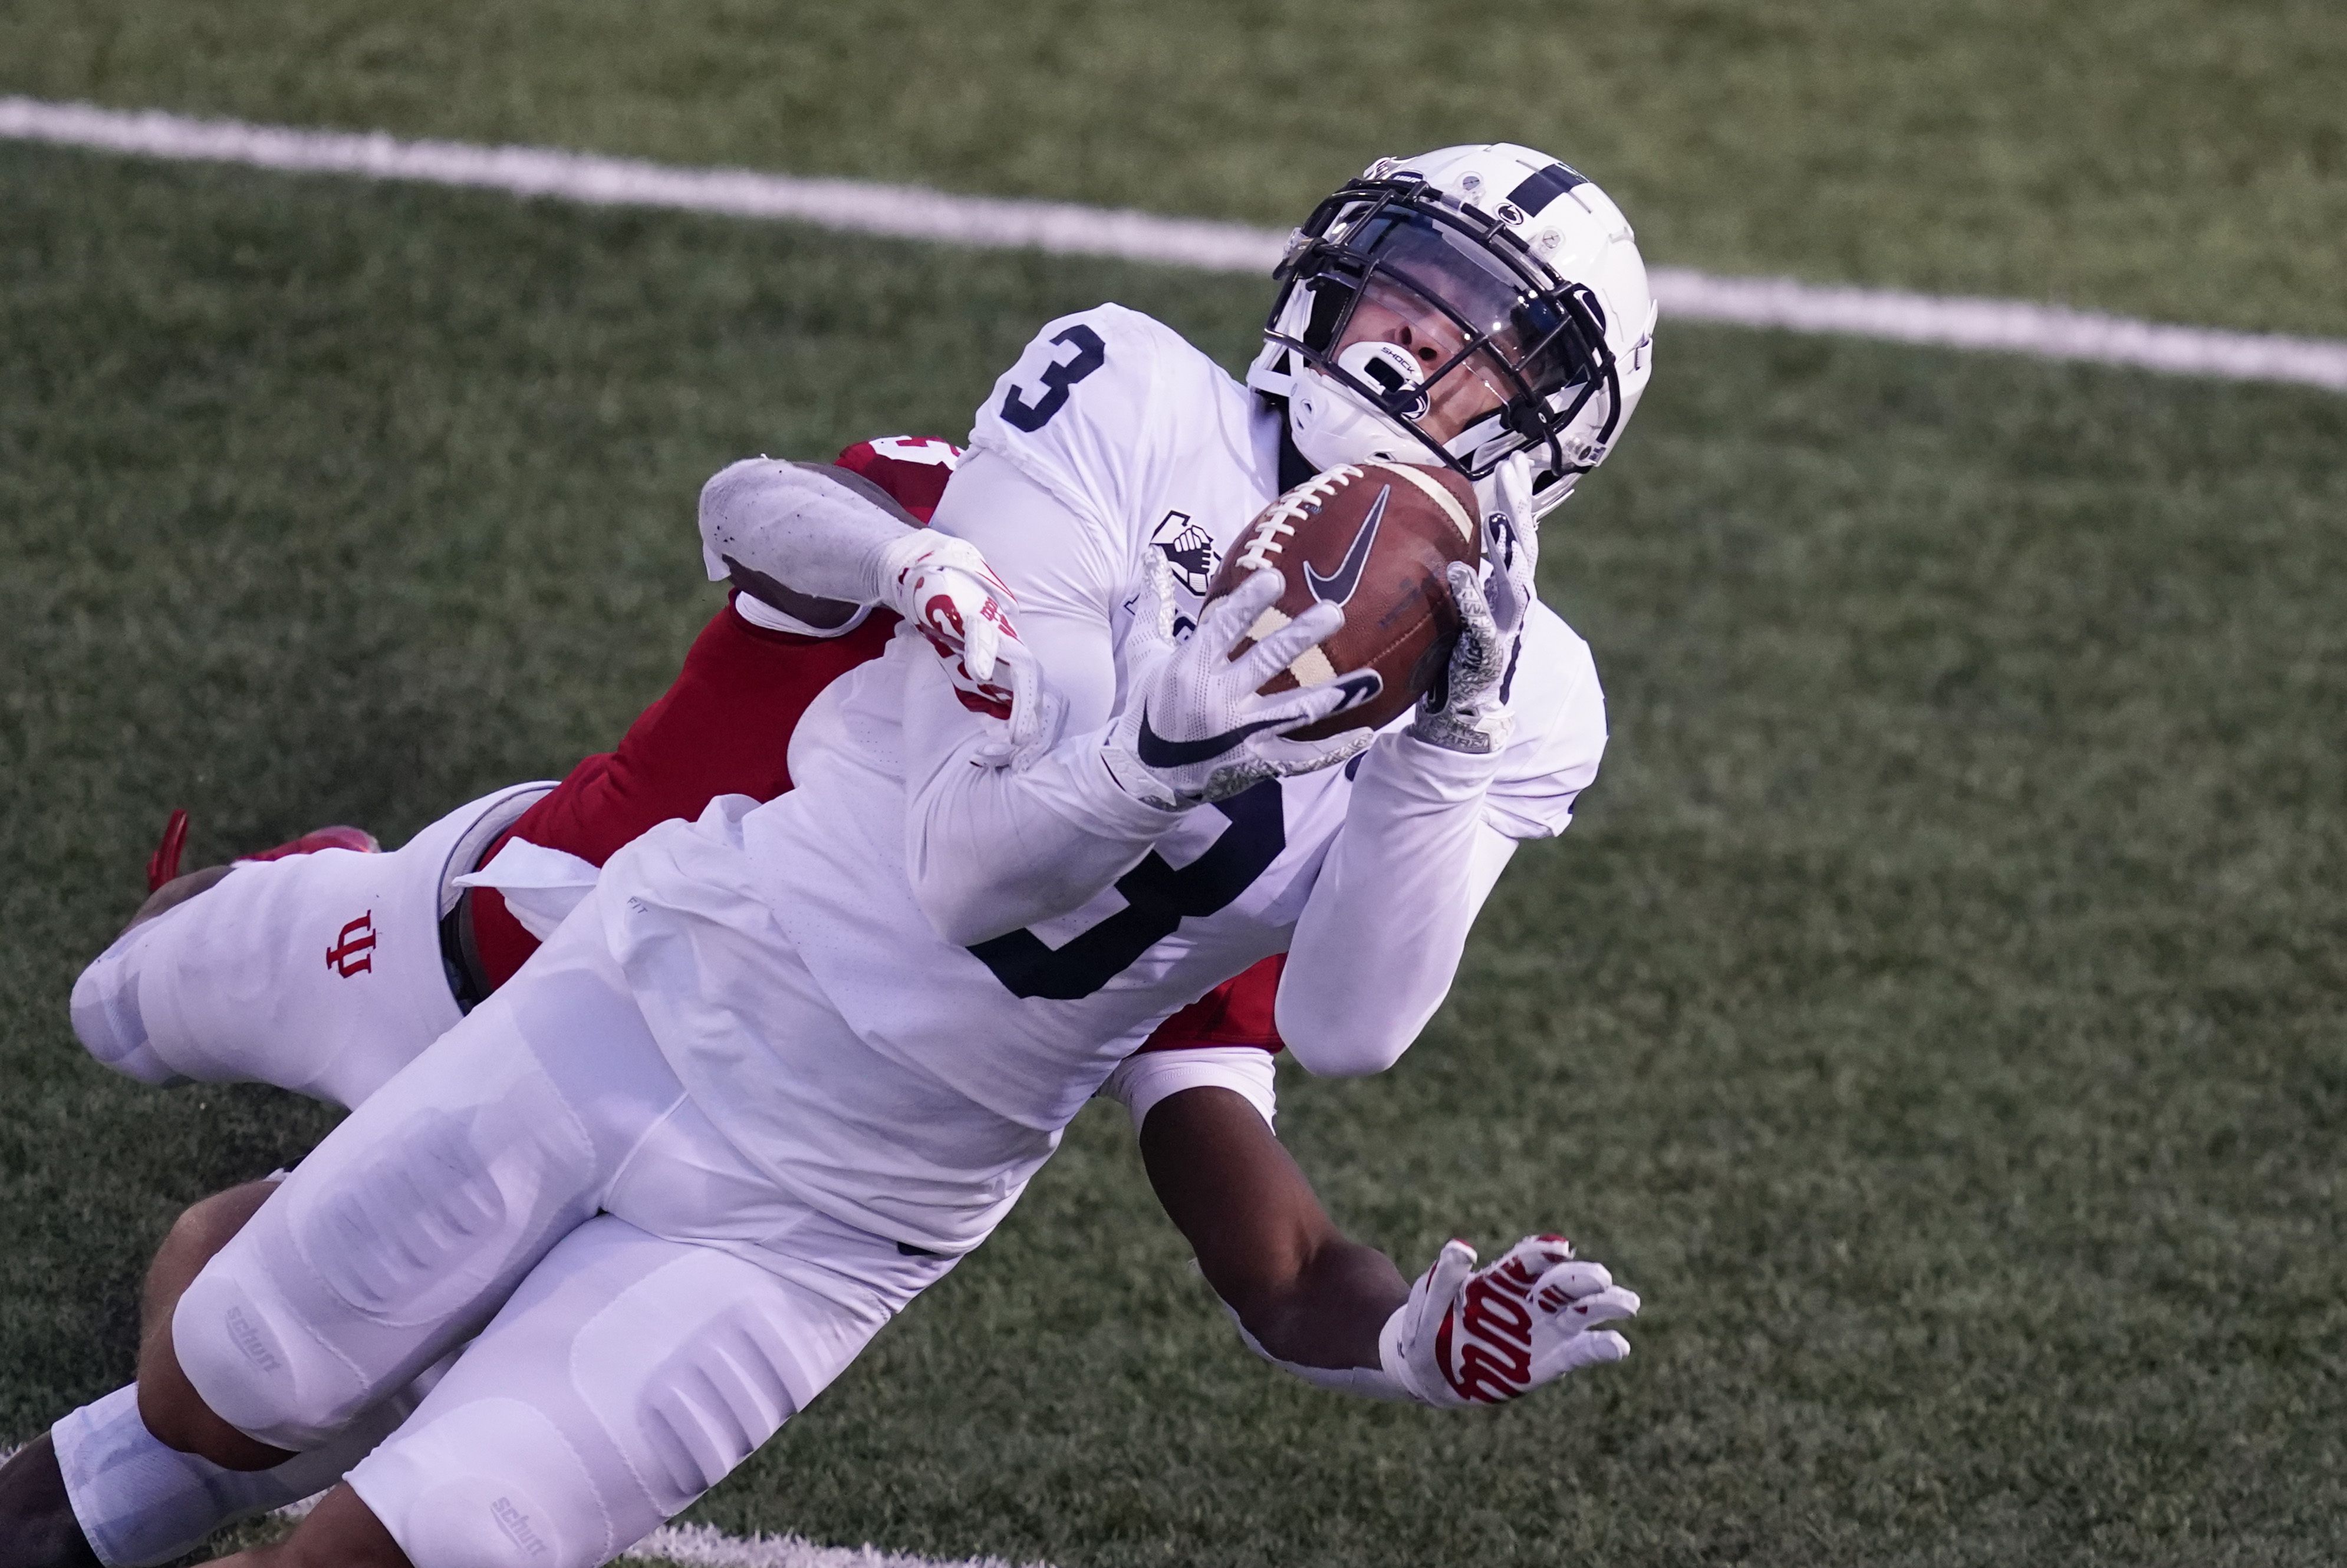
column 397, row 1238
column 534, row 1510
column 623, row 1378
column 239, row 1346
column 107, row 1019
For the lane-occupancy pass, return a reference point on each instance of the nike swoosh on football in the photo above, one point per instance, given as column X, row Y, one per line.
column 1338, row 586
column 1158, row 751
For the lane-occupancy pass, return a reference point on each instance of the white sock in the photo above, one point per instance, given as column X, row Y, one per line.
column 141, row 1503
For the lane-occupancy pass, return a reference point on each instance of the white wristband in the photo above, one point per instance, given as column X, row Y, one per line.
column 1368, row 1382
column 1392, row 1364
column 758, row 613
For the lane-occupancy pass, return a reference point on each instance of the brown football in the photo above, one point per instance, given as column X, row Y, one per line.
column 1373, row 538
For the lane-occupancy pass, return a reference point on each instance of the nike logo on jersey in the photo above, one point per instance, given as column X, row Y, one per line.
column 1338, row 586
column 1158, row 751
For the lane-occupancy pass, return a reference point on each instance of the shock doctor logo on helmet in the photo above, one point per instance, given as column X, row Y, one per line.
column 1391, row 369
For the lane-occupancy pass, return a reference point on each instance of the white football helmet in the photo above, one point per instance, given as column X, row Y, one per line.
column 1534, row 324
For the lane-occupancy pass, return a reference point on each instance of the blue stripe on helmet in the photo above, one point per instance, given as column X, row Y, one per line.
column 1537, row 190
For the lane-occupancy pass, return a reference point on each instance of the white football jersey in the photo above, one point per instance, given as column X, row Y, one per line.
column 1149, row 446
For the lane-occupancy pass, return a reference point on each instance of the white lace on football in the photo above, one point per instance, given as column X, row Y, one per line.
column 1279, row 522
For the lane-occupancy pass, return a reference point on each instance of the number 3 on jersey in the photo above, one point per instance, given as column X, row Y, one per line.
column 1157, row 898
column 1058, row 377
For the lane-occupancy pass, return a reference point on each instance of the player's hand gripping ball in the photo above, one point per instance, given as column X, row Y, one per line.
column 1376, row 540
column 1467, row 710
column 1202, row 725
column 1473, row 1336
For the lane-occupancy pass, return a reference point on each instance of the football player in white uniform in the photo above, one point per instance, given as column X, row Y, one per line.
column 785, row 1064
column 179, row 1000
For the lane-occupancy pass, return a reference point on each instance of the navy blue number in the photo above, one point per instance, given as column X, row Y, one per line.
column 1057, row 376
column 1157, row 897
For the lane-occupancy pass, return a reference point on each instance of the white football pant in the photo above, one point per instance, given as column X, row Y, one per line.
column 319, row 973
column 648, row 1309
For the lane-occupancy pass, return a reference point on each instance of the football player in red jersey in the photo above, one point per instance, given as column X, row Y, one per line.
column 102, row 1489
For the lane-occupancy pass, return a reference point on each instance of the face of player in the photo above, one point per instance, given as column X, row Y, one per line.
column 1388, row 314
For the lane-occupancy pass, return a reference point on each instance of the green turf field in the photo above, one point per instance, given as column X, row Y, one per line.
column 1940, row 1011
column 2180, row 159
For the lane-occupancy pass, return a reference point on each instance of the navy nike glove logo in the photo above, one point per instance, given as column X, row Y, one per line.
column 1359, row 688
column 1155, row 751
column 1338, row 586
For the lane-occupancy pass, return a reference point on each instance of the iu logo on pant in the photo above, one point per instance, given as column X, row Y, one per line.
column 351, row 952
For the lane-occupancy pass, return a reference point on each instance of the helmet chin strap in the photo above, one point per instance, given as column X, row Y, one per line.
column 1329, row 427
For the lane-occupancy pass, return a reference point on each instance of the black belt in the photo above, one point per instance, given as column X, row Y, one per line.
column 461, row 957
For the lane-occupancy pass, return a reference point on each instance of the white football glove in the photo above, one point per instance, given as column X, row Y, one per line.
column 1471, row 1336
column 1197, row 728
column 1467, row 711
column 944, row 588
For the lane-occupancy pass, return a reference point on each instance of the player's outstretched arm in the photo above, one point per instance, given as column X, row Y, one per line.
column 1337, row 1313
column 1497, row 754
column 1306, row 1293
column 815, row 540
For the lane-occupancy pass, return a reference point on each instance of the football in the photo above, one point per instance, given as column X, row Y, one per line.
column 1373, row 538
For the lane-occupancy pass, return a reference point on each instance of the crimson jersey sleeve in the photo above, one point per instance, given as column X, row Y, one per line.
column 723, row 727
column 913, row 469
column 1236, row 1012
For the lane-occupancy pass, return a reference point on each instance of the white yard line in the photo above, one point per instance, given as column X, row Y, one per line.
column 899, row 211
column 704, row 1546
column 700, row 1546
column 904, row 212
